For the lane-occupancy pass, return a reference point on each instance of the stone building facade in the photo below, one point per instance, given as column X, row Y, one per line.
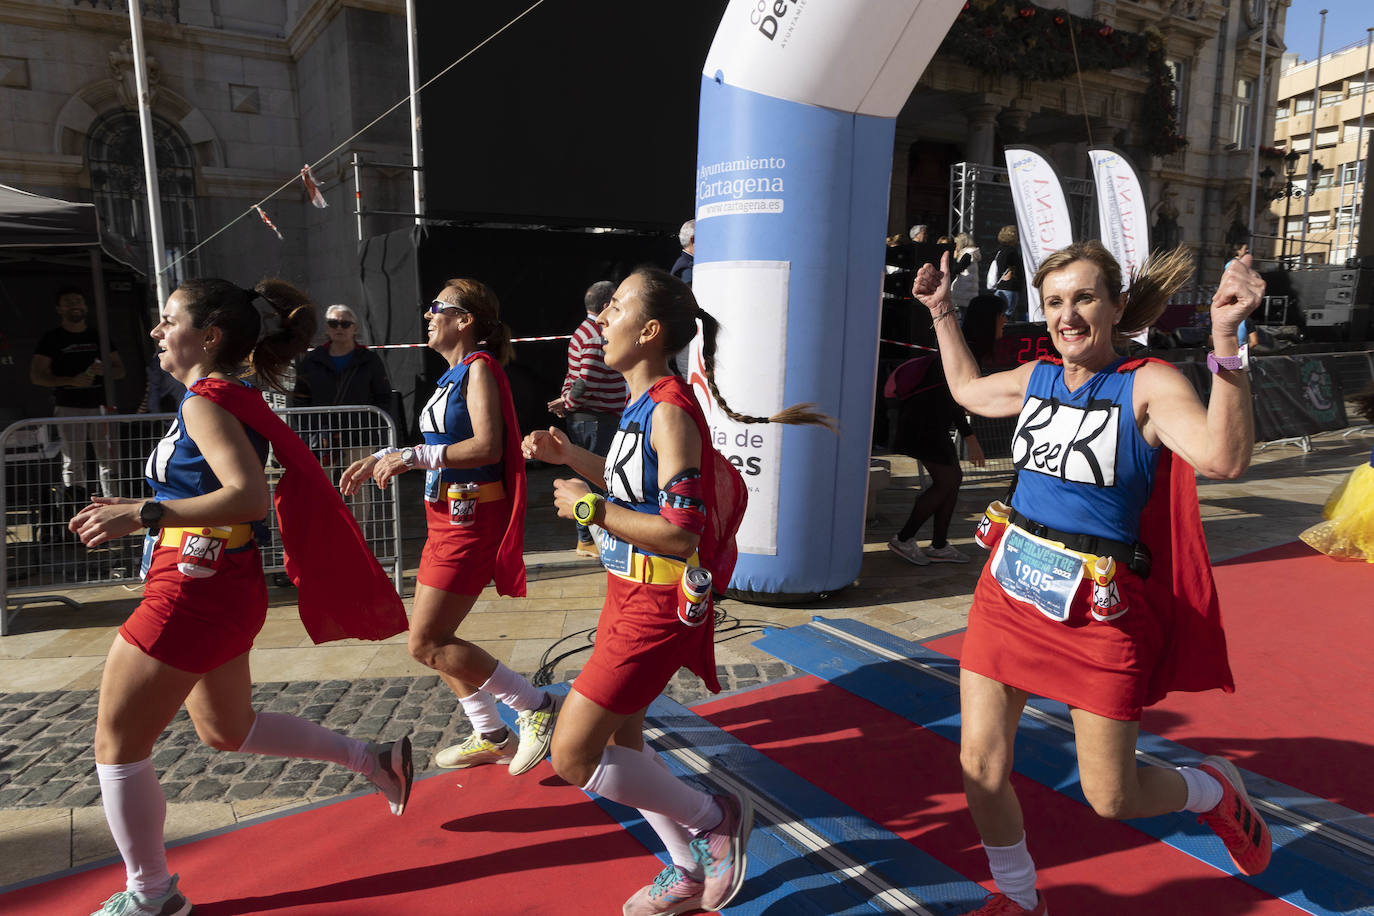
column 959, row 112
column 1335, row 98
column 243, row 94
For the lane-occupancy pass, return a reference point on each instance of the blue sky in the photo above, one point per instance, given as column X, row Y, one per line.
column 1346, row 21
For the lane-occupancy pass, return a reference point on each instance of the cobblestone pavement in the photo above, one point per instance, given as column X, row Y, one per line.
column 47, row 759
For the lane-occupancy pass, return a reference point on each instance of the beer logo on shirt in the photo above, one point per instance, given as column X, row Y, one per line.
column 625, row 465
column 434, row 418
column 161, row 456
column 1074, row 444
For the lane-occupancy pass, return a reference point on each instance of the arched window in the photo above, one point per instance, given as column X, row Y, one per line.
column 114, row 153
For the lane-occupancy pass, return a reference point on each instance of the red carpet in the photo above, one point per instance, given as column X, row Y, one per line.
column 907, row 779
column 496, row 846
column 1300, row 630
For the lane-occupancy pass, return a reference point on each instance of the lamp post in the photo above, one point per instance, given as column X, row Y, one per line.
column 1285, row 193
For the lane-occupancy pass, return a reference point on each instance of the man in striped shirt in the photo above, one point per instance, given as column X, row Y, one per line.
column 593, row 394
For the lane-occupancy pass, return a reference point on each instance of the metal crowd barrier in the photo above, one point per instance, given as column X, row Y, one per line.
column 43, row 561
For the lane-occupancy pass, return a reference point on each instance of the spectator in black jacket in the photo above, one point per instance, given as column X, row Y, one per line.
column 341, row 372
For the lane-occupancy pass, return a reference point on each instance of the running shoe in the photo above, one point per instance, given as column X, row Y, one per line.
column 673, row 891
column 588, row 549
column 477, row 750
column 132, row 903
column 1002, row 905
column 394, row 773
column 946, row 554
column 723, row 851
column 1235, row 821
column 536, row 732
column 908, row 550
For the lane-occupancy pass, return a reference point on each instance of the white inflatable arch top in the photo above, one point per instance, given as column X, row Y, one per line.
column 798, row 106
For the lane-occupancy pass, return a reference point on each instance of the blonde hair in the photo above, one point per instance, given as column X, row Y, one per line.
column 962, row 242
column 1149, row 289
column 1008, row 235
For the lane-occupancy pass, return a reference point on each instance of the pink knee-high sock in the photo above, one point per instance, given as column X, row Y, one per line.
column 278, row 735
column 676, row 838
column 135, row 809
column 632, row 779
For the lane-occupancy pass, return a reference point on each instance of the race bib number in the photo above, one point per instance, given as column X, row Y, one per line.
column 432, row 485
column 1038, row 572
column 615, row 553
column 149, row 545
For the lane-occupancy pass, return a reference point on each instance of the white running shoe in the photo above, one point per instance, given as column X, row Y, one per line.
column 132, row 903
column 946, row 554
column 536, row 733
column 909, row 551
column 477, row 750
column 394, row 773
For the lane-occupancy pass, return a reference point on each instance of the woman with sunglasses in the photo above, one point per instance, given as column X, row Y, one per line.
column 471, row 438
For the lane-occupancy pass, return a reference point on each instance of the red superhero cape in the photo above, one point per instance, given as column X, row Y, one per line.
column 1181, row 583
column 344, row 592
column 726, row 494
column 510, row 556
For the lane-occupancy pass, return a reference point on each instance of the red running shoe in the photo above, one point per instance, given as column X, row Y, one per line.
column 1234, row 820
column 1002, row 905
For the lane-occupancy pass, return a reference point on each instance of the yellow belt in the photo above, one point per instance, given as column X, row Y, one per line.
column 653, row 570
column 487, row 492
column 236, row 535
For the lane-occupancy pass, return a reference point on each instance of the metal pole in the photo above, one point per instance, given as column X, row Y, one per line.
column 1287, row 206
column 1260, row 106
column 1312, row 149
column 417, row 176
column 145, row 122
column 358, row 195
column 102, row 322
column 1358, row 194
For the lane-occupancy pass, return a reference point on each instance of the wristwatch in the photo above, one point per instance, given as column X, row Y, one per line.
column 150, row 514
column 1239, row 361
column 584, row 510
column 408, row 456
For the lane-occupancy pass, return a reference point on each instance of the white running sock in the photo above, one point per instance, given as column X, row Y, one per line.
column 135, row 809
column 1204, row 792
column 480, row 709
column 633, row 779
column 513, row 689
column 676, row 838
column 278, row 735
column 1013, row 871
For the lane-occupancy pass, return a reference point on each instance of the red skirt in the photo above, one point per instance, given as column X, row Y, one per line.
column 1103, row 667
column 197, row 625
column 640, row 645
column 462, row 560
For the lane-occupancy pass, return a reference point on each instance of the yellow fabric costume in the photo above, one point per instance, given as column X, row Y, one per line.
column 1348, row 532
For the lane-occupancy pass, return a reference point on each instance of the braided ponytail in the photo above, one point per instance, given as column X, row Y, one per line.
column 670, row 301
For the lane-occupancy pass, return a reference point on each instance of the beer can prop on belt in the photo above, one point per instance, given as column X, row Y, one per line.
column 462, row 504
column 992, row 524
column 693, row 599
column 202, row 551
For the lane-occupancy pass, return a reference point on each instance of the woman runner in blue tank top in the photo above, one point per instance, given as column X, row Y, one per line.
column 658, row 520
column 470, row 438
column 1060, row 609
column 205, row 600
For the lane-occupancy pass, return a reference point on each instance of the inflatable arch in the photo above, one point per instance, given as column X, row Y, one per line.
column 798, row 107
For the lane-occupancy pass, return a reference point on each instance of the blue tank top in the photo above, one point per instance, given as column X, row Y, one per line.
column 444, row 421
column 1082, row 464
column 632, row 464
column 176, row 469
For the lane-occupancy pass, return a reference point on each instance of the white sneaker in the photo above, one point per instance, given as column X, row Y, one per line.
column 909, row 551
column 946, row 554
column 536, row 733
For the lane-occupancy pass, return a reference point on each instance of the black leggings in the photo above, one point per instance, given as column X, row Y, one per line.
column 937, row 500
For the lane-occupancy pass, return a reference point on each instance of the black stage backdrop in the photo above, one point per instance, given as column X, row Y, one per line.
column 580, row 114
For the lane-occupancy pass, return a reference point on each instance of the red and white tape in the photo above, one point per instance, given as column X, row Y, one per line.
column 513, row 340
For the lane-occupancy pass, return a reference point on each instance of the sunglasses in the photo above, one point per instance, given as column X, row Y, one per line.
column 339, row 323
column 439, row 305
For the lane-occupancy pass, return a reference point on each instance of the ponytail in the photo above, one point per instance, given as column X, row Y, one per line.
column 288, row 328
column 1149, row 289
column 795, row 415
column 266, row 327
column 497, row 343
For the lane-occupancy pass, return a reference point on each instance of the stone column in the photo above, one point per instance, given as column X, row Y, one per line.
column 982, row 130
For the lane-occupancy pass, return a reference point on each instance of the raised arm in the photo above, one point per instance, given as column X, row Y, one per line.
column 1218, row 440
column 998, row 395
